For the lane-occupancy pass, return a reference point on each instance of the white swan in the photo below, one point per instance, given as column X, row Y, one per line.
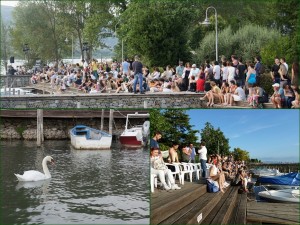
column 33, row 175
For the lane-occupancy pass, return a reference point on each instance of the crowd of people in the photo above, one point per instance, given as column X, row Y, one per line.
column 226, row 82
column 219, row 167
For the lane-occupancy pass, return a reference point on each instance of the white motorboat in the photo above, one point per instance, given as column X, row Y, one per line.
column 284, row 195
column 136, row 136
column 266, row 172
column 84, row 137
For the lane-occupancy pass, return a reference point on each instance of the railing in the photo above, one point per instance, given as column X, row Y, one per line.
column 13, row 81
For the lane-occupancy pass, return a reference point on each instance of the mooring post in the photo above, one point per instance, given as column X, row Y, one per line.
column 102, row 119
column 39, row 129
column 111, row 117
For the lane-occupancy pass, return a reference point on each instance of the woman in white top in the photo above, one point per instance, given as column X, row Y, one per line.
column 216, row 173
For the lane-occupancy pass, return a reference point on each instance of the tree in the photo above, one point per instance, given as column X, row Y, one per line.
column 246, row 42
column 158, row 33
column 5, row 49
column 35, row 23
column 241, row 155
column 215, row 140
column 175, row 127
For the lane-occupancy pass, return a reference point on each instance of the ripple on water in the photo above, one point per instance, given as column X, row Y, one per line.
column 86, row 186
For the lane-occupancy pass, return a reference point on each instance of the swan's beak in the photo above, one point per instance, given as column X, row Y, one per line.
column 52, row 162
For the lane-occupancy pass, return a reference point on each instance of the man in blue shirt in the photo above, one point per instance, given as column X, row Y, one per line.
column 154, row 140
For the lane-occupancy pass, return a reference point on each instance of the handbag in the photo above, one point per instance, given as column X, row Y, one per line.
column 212, row 187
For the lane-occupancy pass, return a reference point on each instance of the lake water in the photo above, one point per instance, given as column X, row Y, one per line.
column 87, row 186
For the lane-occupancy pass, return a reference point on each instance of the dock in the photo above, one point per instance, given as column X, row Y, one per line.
column 193, row 205
column 272, row 213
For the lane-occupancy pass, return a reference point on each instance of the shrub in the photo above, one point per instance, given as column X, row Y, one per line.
column 246, row 42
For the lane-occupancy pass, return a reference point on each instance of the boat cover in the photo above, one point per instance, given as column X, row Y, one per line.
column 288, row 179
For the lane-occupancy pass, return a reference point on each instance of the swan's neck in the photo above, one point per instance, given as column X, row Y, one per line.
column 45, row 168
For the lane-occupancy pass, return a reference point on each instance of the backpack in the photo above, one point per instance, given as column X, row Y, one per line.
column 264, row 98
column 211, row 186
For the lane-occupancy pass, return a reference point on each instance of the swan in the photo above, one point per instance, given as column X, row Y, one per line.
column 33, row 175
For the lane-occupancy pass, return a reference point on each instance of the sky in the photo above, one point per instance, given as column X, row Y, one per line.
column 9, row 3
column 269, row 135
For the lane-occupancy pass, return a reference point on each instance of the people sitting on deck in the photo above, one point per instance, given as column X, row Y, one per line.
column 238, row 95
column 159, row 168
column 277, row 98
column 295, row 103
column 216, row 173
column 241, row 179
column 289, row 95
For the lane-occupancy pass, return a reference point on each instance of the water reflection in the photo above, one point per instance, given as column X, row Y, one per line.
column 105, row 186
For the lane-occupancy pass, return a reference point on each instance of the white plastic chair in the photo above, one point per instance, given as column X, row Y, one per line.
column 153, row 182
column 196, row 169
column 186, row 169
column 176, row 172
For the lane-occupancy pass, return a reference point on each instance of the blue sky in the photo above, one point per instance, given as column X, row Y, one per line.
column 269, row 135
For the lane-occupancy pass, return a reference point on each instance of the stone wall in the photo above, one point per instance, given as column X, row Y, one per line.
column 121, row 100
column 20, row 128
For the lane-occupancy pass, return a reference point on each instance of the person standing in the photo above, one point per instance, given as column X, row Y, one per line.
column 154, row 140
column 138, row 74
column 203, row 157
column 125, row 68
column 193, row 153
column 179, row 69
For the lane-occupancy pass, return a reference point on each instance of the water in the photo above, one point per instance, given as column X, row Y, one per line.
column 87, row 186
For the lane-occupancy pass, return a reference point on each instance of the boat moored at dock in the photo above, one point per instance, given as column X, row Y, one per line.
column 84, row 137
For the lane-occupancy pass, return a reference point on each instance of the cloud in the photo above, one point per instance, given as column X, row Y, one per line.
column 234, row 136
column 258, row 128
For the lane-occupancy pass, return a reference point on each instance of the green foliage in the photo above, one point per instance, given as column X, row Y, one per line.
column 174, row 125
column 241, row 155
column 158, row 34
column 214, row 139
column 281, row 47
column 245, row 42
column 266, row 83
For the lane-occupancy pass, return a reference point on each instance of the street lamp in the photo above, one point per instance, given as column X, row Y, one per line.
column 207, row 22
column 26, row 50
column 115, row 33
column 72, row 45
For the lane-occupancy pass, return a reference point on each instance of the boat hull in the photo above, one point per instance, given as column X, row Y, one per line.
column 291, row 196
column 83, row 137
column 131, row 141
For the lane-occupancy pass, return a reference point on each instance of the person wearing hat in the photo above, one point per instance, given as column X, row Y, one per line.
column 277, row 98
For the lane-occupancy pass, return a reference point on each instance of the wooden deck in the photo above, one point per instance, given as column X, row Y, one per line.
column 272, row 213
column 193, row 205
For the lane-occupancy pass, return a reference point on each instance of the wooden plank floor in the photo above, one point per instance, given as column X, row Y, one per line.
column 274, row 213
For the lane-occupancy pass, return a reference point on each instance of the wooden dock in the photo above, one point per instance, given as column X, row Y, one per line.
column 193, row 205
column 272, row 213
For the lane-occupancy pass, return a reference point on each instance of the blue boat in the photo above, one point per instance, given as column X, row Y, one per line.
column 292, row 179
column 84, row 137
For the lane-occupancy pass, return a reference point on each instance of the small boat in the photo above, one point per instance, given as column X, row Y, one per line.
column 136, row 136
column 84, row 137
column 284, row 195
column 287, row 179
column 266, row 172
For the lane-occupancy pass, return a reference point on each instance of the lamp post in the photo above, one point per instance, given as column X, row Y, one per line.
column 207, row 22
column 26, row 50
column 72, row 46
column 115, row 33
